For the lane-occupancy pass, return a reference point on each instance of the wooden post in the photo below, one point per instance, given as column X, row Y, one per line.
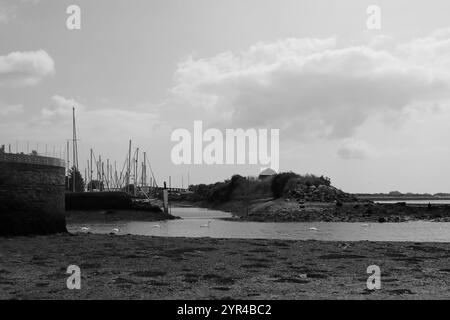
column 165, row 199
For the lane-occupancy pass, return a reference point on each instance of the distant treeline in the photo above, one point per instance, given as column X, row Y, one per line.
column 396, row 195
column 241, row 188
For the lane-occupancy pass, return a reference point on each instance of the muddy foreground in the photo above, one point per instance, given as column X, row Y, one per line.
column 137, row 267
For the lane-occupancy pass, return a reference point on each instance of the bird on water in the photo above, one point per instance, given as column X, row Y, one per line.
column 206, row 225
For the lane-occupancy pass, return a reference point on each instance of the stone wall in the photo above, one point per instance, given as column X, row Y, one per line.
column 31, row 195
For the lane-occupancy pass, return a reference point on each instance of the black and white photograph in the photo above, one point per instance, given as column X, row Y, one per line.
column 224, row 150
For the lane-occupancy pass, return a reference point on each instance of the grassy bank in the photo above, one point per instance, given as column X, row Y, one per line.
column 135, row 267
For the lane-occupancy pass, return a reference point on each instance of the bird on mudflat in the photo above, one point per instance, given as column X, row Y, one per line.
column 206, row 225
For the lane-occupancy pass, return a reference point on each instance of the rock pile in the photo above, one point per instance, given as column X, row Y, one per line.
column 322, row 193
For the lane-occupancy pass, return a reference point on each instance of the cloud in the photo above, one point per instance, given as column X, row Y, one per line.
column 97, row 124
column 10, row 110
column 61, row 110
column 7, row 13
column 313, row 88
column 380, row 41
column 432, row 51
column 8, row 9
column 355, row 149
column 25, row 68
column 66, row 103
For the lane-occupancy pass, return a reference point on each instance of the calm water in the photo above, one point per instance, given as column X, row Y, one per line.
column 194, row 218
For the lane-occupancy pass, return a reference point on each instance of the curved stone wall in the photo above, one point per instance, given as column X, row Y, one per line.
column 31, row 195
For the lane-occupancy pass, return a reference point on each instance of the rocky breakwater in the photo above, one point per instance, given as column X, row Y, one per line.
column 322, row 193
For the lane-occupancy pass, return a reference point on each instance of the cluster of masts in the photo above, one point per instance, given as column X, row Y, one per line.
column 134, row 175
column 101, row 176
column 131, row 176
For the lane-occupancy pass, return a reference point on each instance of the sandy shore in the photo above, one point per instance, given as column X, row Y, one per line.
column 136, row 267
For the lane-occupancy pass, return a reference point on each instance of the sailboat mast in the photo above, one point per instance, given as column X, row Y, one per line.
column 136, row 169
column 74, row 146
column 68, row 165
column 129, row 167
column 90, row 172
column 144, row 171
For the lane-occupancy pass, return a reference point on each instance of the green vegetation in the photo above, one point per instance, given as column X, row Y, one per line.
column 79, row 182
column 279, row 183
column 241, row 188
column 95, row 185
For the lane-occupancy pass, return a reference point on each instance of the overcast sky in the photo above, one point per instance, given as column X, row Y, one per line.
column 368, row 108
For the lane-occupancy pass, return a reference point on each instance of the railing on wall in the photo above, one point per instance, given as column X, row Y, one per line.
column 32, row 159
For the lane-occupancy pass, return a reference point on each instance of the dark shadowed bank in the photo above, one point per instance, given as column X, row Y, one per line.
column 97, row 200
column 292, row 197
column 111, row 215
column 137, row 267
column 111, row 206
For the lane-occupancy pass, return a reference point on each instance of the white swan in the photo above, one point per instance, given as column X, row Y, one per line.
column 206, row 225
column 365, row 225
column 156, row 226
column 313, row 229
column 84, row 228
column 116, row 229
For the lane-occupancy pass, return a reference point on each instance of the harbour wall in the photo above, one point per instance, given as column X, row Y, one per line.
column 31, row 195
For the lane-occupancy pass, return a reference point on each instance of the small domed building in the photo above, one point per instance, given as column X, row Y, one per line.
column 267, row 173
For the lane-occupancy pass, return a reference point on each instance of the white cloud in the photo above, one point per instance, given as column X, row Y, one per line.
column 9, row 110
column 381, row 41
column 313, row 88
column 7, row 13
column 97, row 124
column 25, row 68
column 432, row 51
column 61, row 109
column 355, row 149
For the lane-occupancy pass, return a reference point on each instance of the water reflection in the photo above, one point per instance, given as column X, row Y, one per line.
column 195, row 218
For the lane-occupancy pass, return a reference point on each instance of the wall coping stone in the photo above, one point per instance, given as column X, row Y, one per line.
column 32, row 159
